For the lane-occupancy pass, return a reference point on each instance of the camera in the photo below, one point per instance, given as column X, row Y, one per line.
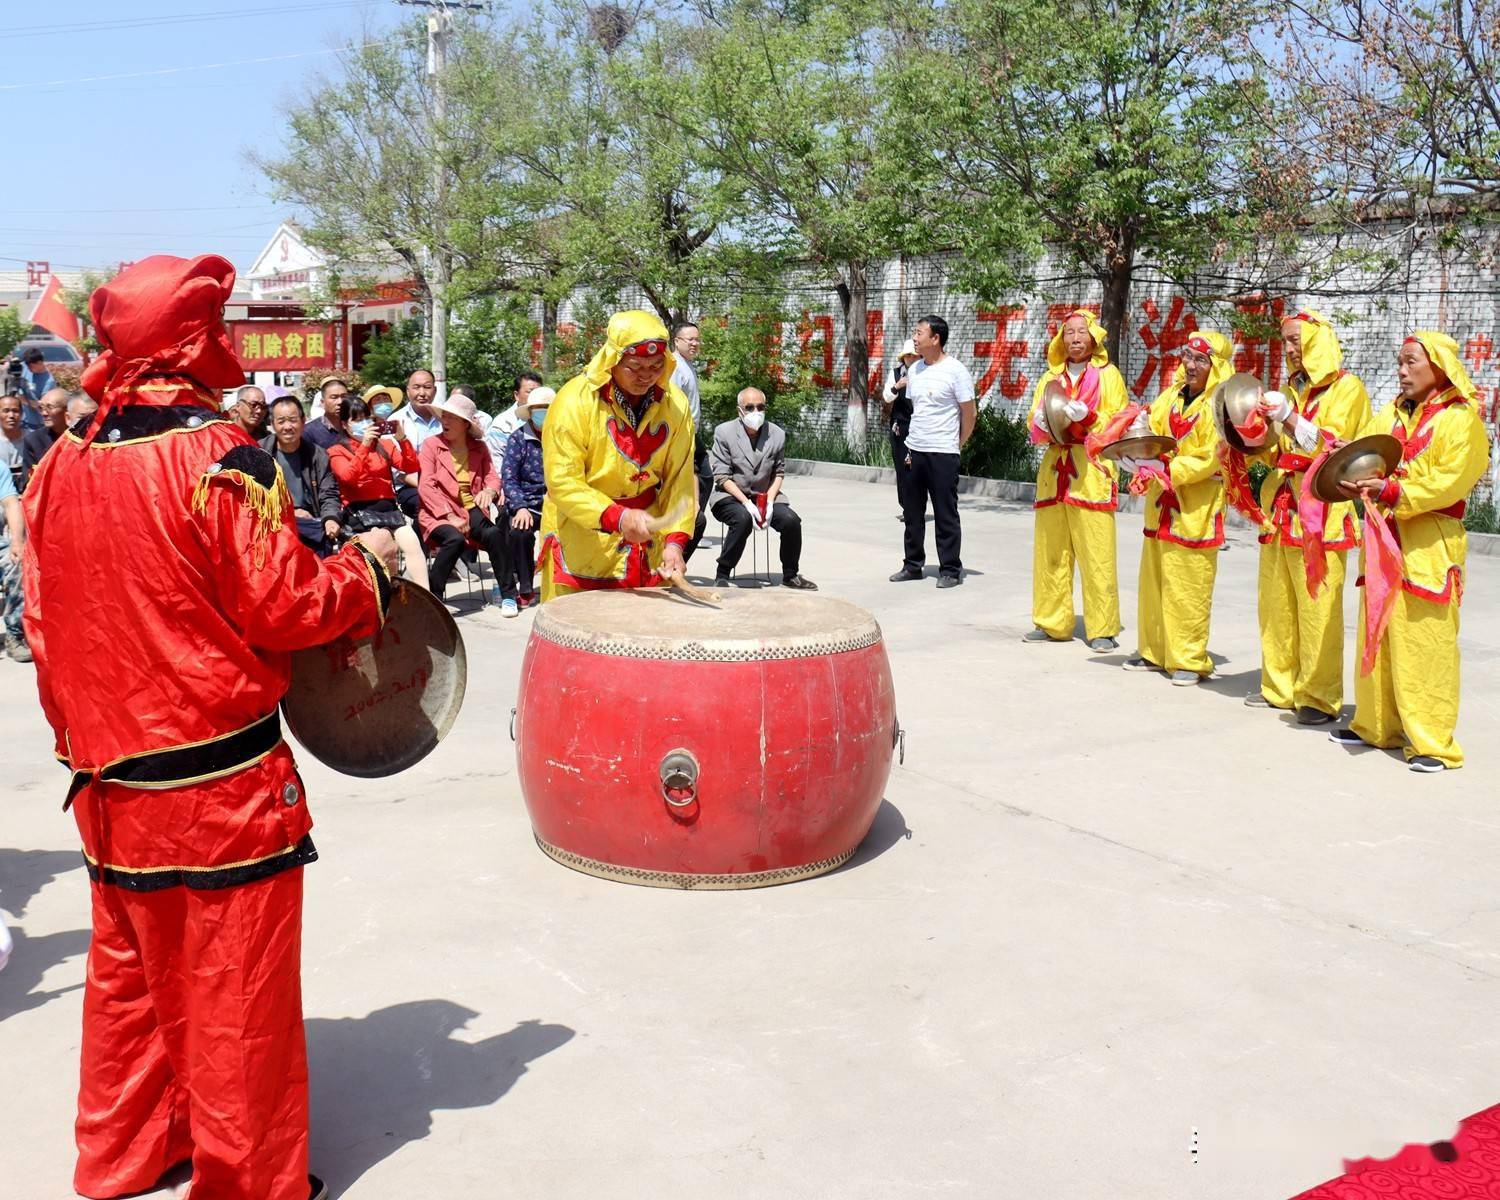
column 385, row 427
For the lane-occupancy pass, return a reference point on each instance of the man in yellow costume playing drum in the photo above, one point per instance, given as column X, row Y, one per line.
column 1406, row 688
column 1184, row 517
column 1075, row 495
column 617, row 452
column 1301, row 596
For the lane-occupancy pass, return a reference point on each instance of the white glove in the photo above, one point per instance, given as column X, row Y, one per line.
column 1128, row 463
column 1075, row 410
column 754, row 510
column 1039, row 419
column 1279, row 405
column 5, row 944
column 1306, row 436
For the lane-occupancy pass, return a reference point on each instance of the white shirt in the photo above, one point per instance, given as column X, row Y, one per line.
column 500, row 431
column 936, row 391
column 685, row 376
column 418, row 429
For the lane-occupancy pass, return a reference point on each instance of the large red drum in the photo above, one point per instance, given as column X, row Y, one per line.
column 665, row 743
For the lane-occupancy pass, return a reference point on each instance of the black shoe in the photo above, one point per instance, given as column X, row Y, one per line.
column 1307, row 715
column 947, row 581
column 905, row 574
column 1425, row 764
column 722, row 581
column 318, row 1190
column 1346, row 737
column 800, row 582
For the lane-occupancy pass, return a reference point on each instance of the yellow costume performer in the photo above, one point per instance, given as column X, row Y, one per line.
column 1407, row 688
column 616, row 441
column 1302, row 633
column 1184, row 525
column 1075, row 495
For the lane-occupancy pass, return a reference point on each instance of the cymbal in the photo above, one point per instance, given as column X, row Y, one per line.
column 1142, row 445
column 1373, row 457
column 1054, row 397
column 1235, row 402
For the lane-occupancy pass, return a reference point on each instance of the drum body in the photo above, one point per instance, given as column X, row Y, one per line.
column 673, row 745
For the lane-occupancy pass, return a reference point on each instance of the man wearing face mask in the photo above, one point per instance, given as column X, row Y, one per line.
column 617, row 449
column 1406, row 690
column 524, row 485
column 749, row 460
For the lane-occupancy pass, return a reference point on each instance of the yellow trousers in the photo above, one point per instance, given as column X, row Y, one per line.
column 1176, row 596
column 1413, row 690
column 1065, row 533
column 1301, row 638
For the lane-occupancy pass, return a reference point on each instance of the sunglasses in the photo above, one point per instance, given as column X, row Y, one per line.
column 754, row 408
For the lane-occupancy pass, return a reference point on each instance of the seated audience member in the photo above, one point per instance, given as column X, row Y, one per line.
column 328, row 425
column 749, row 461
column 458, row 486
column 525, row 487
column 12, row 542
column 511, row 419
column 309, row 478
column 54, row 409
column 12, row 438
column 362, row 460
column 81, row 407
column 249, row 411
column 385, row 411
column 419, row 415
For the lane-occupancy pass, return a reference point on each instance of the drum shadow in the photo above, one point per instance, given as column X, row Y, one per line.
column 31, row 959
column 377, row 1080
column 888, row 828
column 24, row 873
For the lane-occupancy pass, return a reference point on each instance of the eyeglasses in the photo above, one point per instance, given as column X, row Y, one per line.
column 754, row 408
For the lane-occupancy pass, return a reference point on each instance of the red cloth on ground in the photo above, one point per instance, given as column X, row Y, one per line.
column 364, row 473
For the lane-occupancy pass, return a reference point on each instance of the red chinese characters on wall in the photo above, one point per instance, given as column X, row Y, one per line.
column 1479, row 351
column 282, row 345
column 819, row 326
column 1001, row 353
column 1163, row 337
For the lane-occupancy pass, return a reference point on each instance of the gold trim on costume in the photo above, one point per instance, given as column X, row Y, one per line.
column 234, row 866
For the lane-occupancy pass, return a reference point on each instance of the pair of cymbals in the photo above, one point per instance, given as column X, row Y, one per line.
column 1372, row 457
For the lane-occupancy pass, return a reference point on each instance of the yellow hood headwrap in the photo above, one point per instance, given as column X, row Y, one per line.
column 1056, row 355
column 1220, row 367
column 625, row 330
column 1322, row 356
column 1443, row 351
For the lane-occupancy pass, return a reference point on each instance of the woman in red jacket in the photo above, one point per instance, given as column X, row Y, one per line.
column 363, row 461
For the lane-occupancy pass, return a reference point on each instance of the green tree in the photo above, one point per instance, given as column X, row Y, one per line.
column 1120, row 131
column 490, row 344
column 392, row 355
column 12, row 330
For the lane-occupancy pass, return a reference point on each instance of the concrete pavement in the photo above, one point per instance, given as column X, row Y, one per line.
column 1096, row 913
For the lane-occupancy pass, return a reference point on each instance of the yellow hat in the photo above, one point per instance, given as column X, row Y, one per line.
column 627, row 330
column 1218, row 348
column 1322, row 356
column 1056, row 355
column 374, row 395
column 1442, row 350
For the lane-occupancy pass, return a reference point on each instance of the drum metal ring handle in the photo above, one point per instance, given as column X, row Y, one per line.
column 898, row 742
column 679, row 779
column 512, row 724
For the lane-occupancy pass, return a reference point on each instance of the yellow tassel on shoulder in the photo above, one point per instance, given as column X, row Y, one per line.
column 269, row 504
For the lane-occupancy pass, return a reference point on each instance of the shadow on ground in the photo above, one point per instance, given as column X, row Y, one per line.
column 377, row 1080
column 889, row 827
column 24, row 873
column 32, row 958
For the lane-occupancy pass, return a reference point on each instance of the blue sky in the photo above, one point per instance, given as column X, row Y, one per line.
column 155, row 164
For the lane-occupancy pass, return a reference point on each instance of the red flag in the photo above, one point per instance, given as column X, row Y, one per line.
column 52, row 316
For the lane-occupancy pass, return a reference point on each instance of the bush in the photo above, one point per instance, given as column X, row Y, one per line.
column 824, row 444
column 743, row 348
column 391, row 356
column 312, row 380
column 1000, row 448
column 1482, row 517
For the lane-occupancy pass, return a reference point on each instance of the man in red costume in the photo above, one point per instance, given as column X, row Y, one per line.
column 165, row 587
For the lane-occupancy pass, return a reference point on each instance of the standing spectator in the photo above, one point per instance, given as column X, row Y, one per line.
column 328, row 425
column 54, row 410
column 525, row 487
column 36, row 382
column 308, row 475
column 419, row 418
column 942, row 419
column 12, row 438
column 250, row 411
column 750, row 467
column 363, row 461
column 686, row 342
column 895, row 407
column 513, row 417
column 12, row 542
column 458, row 486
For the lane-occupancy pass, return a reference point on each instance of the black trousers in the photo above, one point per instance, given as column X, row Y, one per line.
column 903, row 472
column 407, row 498
column 521, row 544
column 739, row 527
column 935, row 476
column 448, row 544
column 705, row 486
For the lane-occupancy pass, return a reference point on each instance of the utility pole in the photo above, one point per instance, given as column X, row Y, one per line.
column 439, row 262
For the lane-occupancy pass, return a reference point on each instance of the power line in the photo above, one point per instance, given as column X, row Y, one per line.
column 112, row 211
column 129, row 23
column 242, row 62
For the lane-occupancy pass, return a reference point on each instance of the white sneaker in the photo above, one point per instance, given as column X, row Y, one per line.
column 509, row 607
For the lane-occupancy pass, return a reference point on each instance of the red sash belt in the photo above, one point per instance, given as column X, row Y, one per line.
column 644, row 500
column 1456, row 511
column 1293, row 462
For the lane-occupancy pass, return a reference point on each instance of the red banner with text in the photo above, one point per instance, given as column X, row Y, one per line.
column 282, row 345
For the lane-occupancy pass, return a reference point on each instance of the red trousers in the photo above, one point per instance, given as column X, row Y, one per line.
column 193, row 1044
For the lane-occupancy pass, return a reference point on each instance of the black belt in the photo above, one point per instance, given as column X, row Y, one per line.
column 179, row 766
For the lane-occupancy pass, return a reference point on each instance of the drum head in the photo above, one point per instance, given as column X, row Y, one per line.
column 1146, row 445
column 1372, row 457
column 377, row 706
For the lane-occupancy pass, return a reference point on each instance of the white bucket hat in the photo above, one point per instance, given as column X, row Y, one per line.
column 462, row 406
column 540, row 397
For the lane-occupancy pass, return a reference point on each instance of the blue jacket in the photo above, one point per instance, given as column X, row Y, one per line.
column 521, row 471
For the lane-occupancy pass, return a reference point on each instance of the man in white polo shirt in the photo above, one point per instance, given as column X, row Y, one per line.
column 942, row 418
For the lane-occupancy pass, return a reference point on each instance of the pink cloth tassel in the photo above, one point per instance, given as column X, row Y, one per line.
column 1382, row 582
column 1313, row 513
